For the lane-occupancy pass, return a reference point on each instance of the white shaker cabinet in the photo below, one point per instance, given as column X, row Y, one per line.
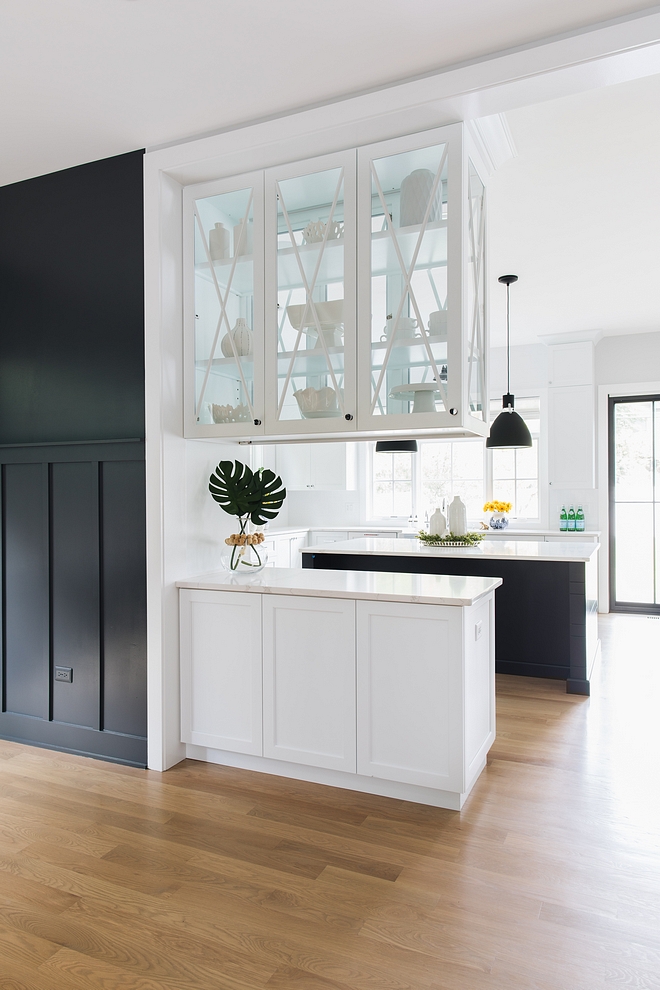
column 415, row 701
column 382, row 683
column 319, row 467
column 284, row 551
column 571, row 417
column 221, row 677
column 309, row 681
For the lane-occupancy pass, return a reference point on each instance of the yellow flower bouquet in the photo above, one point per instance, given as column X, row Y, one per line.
column 498, row 506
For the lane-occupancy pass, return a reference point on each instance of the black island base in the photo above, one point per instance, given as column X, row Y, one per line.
column 546, row 612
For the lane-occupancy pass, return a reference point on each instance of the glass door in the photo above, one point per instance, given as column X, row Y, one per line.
column 310, row 292
column 224, row 308
column 634, row 465
column 410, row 311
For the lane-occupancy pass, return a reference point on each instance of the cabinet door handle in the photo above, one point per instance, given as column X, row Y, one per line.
column 257, row 422
column 348, row 417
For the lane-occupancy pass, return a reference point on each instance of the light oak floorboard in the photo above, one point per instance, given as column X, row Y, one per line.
column 211, row 878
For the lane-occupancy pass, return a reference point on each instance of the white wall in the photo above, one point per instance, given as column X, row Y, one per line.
column 631, row 358
column 529, row 368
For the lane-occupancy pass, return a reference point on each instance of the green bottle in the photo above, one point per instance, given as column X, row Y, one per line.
column 563, row 520
column 579, row 520
column 571, row 520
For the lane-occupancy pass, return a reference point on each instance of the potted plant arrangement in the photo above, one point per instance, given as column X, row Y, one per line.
column 498, row 519
column 255, row 497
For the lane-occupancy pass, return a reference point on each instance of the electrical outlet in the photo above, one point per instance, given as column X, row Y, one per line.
column 64, row 674
column 477, row 629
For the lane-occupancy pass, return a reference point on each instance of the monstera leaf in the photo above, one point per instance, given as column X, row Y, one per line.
column 242, row 492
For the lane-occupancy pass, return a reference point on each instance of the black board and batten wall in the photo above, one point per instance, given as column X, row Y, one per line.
column 73, row 563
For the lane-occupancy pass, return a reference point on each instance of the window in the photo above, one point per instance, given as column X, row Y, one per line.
column 412, row 485
column 392, row 486
column 408, row 486
column 448, row 468
column 515, row 473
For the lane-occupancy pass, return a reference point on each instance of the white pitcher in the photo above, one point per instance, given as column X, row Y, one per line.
column 457, row 517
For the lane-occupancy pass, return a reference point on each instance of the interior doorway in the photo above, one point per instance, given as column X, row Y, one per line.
column 634, row 493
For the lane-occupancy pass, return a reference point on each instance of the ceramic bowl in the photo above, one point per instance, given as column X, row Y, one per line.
column 317, row 402
column 314, row 232
column 330, row 314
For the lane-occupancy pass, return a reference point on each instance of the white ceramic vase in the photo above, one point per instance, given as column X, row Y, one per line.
column 415, row 193
column 242, row 336
column 438, row 523
column 219, row 238
column 457, row 517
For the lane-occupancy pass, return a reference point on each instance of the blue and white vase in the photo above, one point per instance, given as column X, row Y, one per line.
column 499, row 520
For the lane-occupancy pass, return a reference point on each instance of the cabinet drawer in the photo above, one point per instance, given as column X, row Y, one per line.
column 318, row 537
column 372, row 534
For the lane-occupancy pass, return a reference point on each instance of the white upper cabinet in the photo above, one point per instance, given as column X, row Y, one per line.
column 322, row 467
column 340, row 296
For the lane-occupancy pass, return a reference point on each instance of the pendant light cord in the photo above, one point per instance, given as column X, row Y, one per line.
column 508, row 350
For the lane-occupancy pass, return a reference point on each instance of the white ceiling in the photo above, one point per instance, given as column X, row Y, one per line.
column 577, row 215
column 85, row 79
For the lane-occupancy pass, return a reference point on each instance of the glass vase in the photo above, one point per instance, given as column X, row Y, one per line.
column 247, row 559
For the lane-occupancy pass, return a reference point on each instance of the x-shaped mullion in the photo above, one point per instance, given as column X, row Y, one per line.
column 223, row 312
column 476, row 316
column 309, row 288
column 434, row 288
column 407, row 274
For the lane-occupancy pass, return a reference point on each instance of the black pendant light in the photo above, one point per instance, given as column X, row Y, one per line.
column 396, row 446
column 509, row 429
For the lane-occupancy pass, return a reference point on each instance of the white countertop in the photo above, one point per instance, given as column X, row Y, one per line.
column 511, row 532
column 286, row 530
column 412, row 531
column 492, row 550
column 427, row 589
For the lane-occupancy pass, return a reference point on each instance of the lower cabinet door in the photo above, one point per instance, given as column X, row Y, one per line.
column 221, row 678
column 409, row 693
column 309, row 681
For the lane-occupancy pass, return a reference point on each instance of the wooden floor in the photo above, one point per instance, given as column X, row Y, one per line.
column 213, row 878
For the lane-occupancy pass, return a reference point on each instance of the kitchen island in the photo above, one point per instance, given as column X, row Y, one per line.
column 547, row 609
column 376, row 682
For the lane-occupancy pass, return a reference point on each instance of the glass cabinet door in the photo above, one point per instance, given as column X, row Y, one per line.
column 410, row 369
column 224, row 309
column 310, row 292
column 475, row 350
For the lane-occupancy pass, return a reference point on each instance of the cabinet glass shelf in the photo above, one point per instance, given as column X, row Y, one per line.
column 432, row 254
column 409, row 353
